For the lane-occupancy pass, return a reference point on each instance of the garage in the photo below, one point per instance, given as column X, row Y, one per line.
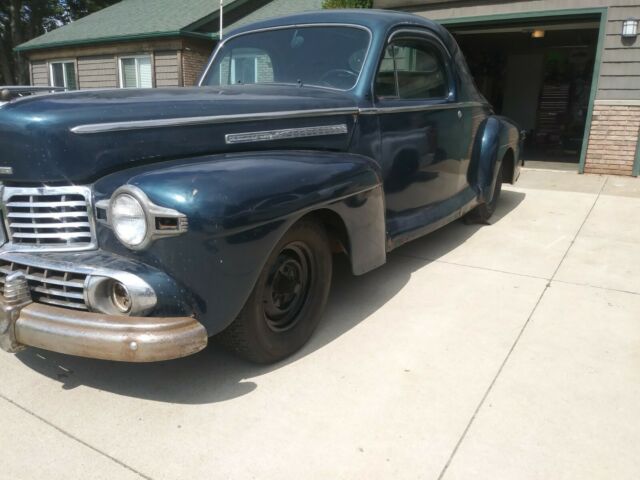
column 567, row 71
column 539, row 73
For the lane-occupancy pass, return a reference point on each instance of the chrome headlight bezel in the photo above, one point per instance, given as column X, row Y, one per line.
column 138, row 236
column 156, row 217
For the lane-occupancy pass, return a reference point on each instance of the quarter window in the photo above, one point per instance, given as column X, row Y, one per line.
column 135, row 72
column 63, row 74
column 412, row 69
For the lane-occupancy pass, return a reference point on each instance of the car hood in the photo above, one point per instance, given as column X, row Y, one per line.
column 78, row 137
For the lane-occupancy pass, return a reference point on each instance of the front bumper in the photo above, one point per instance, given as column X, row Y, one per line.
column 94, row 335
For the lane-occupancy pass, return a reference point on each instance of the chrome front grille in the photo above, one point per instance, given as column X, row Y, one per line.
column 54, row 287
column 53, row 218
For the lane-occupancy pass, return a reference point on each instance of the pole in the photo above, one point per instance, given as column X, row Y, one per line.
column 221, row 13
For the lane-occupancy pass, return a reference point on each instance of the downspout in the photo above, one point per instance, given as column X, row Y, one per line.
column 221, row 15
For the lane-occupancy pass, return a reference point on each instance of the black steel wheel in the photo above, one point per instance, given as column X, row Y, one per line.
column 288, row 299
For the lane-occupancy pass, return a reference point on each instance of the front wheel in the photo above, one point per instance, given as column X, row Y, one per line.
column 288, row 299
column 483, row 212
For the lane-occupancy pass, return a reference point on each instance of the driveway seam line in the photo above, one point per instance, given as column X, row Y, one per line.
column 573, row 240
column 596, row 286
column 435, row 260
column 517, row 339
column 73, row 437
column 495, row 378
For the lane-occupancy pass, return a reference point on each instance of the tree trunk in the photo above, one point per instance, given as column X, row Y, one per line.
column 5, row 67
column 15, row 25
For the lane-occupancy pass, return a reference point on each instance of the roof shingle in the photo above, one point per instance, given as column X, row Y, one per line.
column 126, row 20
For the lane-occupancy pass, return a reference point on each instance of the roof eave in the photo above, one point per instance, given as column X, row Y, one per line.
column 121, row 38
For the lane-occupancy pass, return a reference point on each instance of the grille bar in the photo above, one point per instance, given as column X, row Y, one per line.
column 50, row 218
column 62, row 235
column 60, row 225
column 46, row 204
column 46, row 215
column 36, row 278
column 53, row 287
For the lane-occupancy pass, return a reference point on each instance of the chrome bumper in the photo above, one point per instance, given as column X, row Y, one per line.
column 95, row 335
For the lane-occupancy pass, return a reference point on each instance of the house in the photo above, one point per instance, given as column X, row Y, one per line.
column 567, row 71
column 142, row 43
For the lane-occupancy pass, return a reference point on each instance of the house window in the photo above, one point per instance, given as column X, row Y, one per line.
column 63, row 74
column 135, row 72
column 246, row 65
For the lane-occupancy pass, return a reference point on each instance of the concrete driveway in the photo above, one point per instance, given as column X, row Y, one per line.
column 509, row 351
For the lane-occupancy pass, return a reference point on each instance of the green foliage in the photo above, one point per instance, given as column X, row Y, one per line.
column 22, row 20
column 347, row 4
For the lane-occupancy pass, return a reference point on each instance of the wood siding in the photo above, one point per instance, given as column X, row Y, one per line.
column 39, row 74
column 175, row 62
column 620, row 69
column 167, row 69
column 97, row 72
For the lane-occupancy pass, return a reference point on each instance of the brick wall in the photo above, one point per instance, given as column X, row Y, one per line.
column 193, row 62
column 613, row 138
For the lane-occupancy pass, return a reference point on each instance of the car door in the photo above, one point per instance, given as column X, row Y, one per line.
column 421, row 130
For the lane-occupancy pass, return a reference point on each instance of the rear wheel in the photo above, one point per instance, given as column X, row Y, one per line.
column 483, row 212
column 288, row 299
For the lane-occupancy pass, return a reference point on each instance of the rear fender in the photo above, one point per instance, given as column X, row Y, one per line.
column 496, row 135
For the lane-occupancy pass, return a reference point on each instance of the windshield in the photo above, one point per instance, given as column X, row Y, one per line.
column 320, row 56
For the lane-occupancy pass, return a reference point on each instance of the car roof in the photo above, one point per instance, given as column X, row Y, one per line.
column 375, row 20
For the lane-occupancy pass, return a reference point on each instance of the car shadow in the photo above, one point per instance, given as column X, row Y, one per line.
column 214, row 375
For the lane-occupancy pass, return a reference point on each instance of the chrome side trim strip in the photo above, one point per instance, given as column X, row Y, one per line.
column 250, row 117
column 209, row 120
column 285, row 134
column 419, row 108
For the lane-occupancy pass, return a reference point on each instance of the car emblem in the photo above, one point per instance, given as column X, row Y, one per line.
column 6, row 170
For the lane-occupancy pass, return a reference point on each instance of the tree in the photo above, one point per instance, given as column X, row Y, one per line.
column 347, row 4
column 22, row 20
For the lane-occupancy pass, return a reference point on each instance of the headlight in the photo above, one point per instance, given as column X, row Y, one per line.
column 128, row 219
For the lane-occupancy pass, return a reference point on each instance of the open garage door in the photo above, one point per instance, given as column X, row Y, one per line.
column 538, row 73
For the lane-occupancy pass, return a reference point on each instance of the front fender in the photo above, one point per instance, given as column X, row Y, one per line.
column 239, row 206
column 496, row 135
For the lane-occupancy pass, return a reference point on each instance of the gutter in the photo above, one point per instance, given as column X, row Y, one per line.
column 142, row 36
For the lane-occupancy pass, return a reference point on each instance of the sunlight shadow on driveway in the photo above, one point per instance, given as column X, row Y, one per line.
column 215, row 376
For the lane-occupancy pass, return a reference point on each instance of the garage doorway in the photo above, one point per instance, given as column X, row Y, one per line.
column 540, row 74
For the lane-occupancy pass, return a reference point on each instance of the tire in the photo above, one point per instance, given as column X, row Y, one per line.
column 483, row 212
column 288, row 299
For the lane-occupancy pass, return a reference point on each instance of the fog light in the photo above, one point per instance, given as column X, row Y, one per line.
column 120, row 296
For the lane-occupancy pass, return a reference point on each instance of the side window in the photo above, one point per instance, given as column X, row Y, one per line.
column 412, row 69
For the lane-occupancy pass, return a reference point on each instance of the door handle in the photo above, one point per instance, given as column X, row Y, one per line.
column 460, row 114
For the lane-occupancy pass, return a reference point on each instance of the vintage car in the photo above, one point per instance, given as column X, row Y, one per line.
column 138, row 223
column 9, row 92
